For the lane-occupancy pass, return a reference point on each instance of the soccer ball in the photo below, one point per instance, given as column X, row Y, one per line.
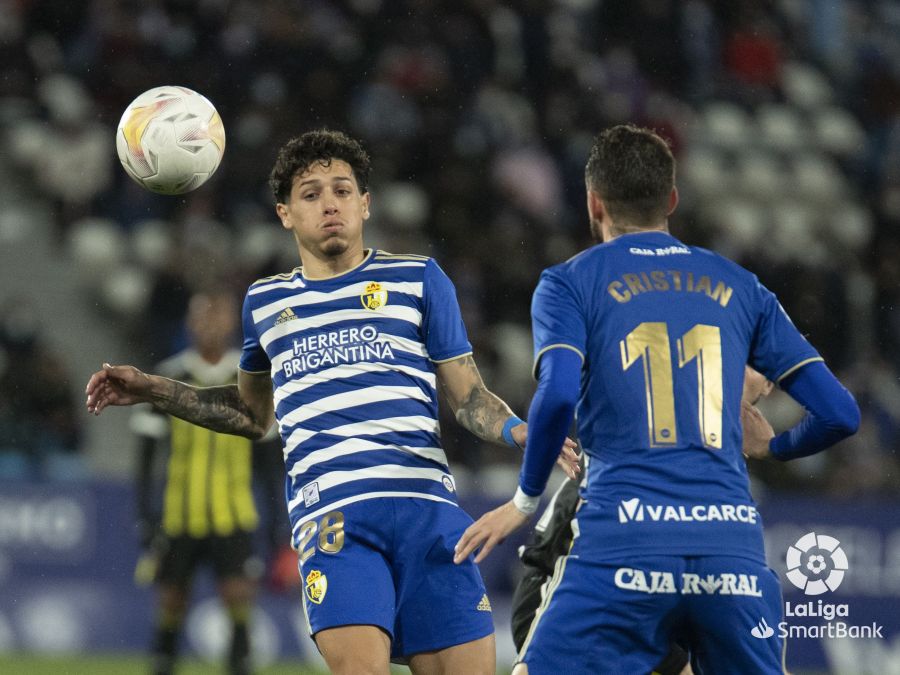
column 170, row 140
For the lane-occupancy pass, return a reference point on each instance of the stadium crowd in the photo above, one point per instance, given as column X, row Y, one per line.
column 784, row 116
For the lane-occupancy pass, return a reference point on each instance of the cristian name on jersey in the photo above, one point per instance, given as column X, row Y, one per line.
column 668, row 329
column 352, row 361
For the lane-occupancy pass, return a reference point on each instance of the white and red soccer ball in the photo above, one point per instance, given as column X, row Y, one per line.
column 170, row 140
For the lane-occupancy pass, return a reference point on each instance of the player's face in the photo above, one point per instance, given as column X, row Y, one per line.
column 326, row 210
column 212, row 321
column 755, row 385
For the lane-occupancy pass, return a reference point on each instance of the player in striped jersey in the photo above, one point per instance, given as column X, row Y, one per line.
column 355, row 345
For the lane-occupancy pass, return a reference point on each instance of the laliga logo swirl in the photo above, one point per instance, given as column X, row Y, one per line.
column 816, row 563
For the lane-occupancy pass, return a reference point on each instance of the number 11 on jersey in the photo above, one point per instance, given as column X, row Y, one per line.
column 649, row 343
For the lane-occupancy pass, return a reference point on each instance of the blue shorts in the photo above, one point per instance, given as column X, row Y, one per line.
column 388, row 562
column 620, row 617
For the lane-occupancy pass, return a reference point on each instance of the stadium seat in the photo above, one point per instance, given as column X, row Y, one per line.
column 259, row 243
column 804, row 86
column 704, row 171
column 22, row 222
column 726, row 125
column 96, row 244
column 837, row 131
column 781, row 127
column 740, row 224
column 152, row 243
column 760, row 175
column 792, row 234
column 405, row 205
column 818, row 178
column 126, row 290
column 851, row 225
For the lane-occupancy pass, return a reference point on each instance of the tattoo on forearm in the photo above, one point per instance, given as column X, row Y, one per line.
column 218, row 408
column 483, row 412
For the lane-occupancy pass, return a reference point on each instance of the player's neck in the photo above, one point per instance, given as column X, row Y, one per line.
column 320, row 266
column 612, row 231
column 211, row 355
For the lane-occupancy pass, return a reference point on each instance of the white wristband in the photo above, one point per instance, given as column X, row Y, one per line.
column 526, row 503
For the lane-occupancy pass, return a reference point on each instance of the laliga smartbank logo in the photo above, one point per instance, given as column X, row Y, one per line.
column 816, row 564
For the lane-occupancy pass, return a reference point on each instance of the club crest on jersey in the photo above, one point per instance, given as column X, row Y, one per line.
column 316, row 586
column 374, row 297
column 448, row 483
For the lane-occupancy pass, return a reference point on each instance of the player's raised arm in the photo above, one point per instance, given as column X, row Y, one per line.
column 486, row 415
column 245, row 409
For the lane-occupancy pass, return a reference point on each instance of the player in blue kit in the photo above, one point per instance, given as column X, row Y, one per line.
column 347, row 354
column 647, row 338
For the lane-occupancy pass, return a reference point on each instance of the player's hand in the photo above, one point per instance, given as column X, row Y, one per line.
column 117, row 385
column 757, row 432
column 568, row 460
column 488, row 531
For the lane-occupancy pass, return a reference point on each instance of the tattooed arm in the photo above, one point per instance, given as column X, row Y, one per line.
column 245, row 409
column 476, row 408
column 484, row 413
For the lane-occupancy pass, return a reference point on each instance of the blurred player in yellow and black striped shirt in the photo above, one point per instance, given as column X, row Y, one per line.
column 207, row 512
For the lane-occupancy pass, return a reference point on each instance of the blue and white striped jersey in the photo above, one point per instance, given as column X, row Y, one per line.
column 352, row 360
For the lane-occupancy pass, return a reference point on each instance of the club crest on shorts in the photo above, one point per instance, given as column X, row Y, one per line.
column 374, row 297
column 316, row 586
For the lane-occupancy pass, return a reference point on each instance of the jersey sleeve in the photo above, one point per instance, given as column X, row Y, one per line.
column 444, row 332
column 778, row 348
column 253, row 357
column 557, row 320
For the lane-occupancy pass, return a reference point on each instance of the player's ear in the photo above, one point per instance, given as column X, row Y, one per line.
column 673, row 200
column 596, row 208
column 282, row 211
column 367, row 202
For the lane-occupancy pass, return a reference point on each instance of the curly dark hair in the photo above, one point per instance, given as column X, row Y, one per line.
column 320, row 145
column 633, row 171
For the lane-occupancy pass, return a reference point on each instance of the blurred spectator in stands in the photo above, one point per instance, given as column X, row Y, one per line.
column 39, row 432
column 754, row 55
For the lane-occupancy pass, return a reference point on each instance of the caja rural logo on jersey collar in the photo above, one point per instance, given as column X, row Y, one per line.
column 316, row 586
column 374, row 297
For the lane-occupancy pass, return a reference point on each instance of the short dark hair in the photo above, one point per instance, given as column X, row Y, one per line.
column 320, row 145
column 633, row 171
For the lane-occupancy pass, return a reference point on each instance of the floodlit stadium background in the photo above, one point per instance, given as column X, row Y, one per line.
column 785, row 119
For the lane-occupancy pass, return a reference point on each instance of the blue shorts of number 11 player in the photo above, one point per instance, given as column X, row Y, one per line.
column 372, row 502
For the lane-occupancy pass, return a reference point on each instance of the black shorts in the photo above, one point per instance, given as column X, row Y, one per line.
column 229, row 556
